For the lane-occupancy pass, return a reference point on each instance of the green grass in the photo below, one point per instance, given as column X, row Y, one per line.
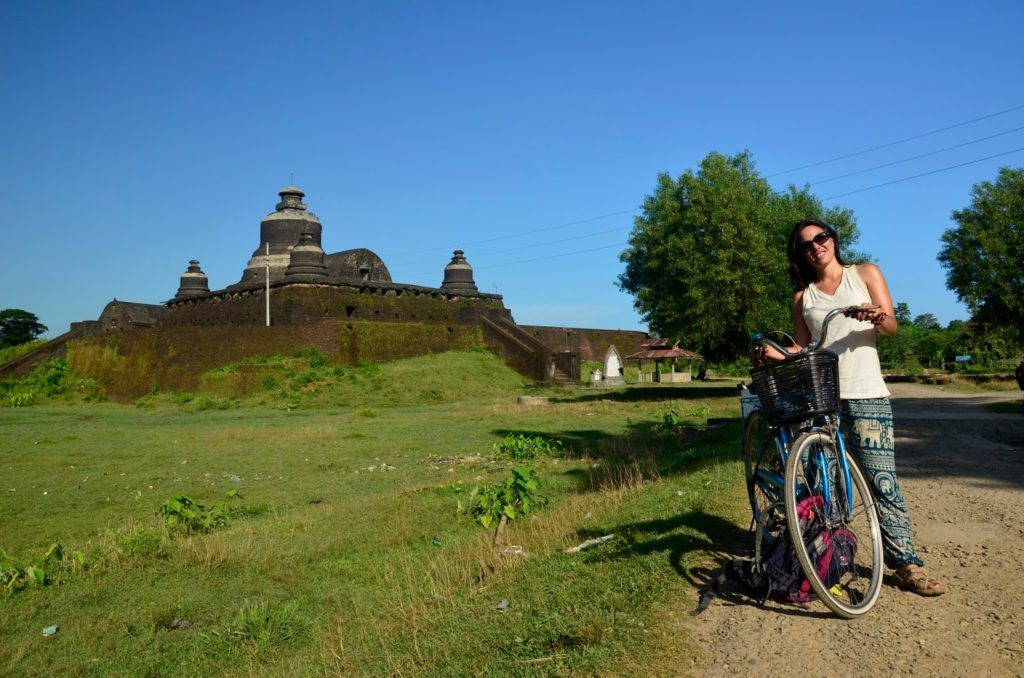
column 333, row 567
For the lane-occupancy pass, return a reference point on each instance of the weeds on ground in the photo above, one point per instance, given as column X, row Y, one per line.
column 521, row 447
column 182, row 515
column 16, row 574
column 258, row 626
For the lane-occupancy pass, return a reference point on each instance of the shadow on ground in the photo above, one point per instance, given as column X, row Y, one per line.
column 939, row 438
column 679, row 537
column 643, row 452
column 652, row 393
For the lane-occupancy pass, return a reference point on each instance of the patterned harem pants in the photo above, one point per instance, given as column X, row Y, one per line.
column 867, row 429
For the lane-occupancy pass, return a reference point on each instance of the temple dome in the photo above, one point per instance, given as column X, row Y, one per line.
column 279, row 232
column 194, row 282
column 307, row 261
column 458, row 275
column 358, row 265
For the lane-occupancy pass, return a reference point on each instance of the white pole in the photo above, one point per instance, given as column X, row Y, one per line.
column 268, row 285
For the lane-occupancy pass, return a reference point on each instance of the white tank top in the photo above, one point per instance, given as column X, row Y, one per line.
column 860, row 375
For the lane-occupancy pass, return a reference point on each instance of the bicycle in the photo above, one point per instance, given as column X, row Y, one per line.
column 796, row 463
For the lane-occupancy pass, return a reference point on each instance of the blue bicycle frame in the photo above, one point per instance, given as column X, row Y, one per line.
column 783, row 439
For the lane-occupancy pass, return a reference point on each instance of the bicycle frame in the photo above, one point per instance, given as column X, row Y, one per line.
column 781, row 433
column 783, row 439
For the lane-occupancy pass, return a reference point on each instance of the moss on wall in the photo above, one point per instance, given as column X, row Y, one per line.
column 131, row 364
column 376, row 342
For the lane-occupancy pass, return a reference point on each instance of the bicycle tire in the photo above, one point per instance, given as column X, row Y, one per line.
column 859, row 585
column 759, row 453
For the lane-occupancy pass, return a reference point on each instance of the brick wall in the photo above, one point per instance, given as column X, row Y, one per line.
column 589, row 344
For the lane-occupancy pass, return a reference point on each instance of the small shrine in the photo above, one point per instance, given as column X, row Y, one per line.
column 658, row 351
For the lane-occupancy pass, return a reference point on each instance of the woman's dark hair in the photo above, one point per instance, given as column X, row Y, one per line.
column 800, row 271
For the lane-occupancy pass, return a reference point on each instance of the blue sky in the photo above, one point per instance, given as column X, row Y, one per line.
column 137, row 136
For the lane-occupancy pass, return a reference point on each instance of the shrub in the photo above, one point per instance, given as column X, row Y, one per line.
column 184, row 516
column 42, row 571
column 206, row 402
column 670, row 422
column 140, row 544
column 49, row 379
column 520, row 447
column 500, row 502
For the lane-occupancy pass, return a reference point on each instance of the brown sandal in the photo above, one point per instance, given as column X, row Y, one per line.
column 913, row 578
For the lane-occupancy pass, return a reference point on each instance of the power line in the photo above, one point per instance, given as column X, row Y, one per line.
column 814, row 164
column 831, row 197
column 532, row 259
column 916, row 157
column 529, row 232
column 553, row 256
column 551, row 242
column 924, row 174
column 474, row 255
column 895, row 143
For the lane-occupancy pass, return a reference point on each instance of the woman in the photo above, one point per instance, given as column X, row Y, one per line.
column 825, row 282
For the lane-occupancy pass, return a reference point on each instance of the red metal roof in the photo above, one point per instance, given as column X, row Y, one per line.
column 663, row 349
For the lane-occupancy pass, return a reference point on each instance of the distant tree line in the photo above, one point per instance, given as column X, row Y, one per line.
column 922, row 343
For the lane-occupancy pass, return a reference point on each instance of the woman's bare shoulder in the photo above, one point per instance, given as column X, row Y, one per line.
column 869, row 272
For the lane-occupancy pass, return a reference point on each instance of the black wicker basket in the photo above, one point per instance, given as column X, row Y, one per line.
column 798, row 388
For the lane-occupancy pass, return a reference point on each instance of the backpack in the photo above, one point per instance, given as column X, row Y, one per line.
column 775, row 573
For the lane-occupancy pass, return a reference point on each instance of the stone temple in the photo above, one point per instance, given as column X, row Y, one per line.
column 345, row 304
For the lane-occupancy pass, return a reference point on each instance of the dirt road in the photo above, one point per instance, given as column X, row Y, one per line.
column 962, row 472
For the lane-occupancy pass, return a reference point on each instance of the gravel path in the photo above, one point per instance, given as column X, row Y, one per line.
column 962, row 472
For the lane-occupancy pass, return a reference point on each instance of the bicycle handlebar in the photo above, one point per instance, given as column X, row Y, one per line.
column 812, row 345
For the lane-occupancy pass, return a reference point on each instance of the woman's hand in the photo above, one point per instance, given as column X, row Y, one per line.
column 762, row 353
column 884, row 319
column 867, row 313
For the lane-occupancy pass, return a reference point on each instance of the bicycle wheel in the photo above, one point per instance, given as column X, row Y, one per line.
column 834, row 529
column 759, row 454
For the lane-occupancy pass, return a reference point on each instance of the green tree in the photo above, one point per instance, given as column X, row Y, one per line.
column 984, row 254
column 706, row 260
column 18, row 327
column 926, row 321
column 903, row 316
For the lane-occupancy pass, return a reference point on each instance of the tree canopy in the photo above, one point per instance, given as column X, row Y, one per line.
column 18, row 327
column 927, row 321
column 706, row 260
column 984, row 254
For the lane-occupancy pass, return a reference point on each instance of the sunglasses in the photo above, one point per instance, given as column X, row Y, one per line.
column 817, row 241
